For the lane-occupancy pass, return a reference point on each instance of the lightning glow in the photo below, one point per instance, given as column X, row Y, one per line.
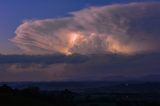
column 72, row 41
column 115, row 46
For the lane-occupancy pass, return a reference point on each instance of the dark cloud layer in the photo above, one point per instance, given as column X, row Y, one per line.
column 90, row 67
column 42, row 59
column 119, row 28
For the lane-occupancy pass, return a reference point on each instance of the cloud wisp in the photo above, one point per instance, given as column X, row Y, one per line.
column 119, row 28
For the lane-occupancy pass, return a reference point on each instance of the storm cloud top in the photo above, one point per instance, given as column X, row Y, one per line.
column 119, row 28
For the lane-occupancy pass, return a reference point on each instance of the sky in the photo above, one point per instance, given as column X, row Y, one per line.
column 79, row 40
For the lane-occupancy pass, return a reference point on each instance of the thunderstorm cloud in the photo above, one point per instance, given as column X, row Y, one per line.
column 119, row 28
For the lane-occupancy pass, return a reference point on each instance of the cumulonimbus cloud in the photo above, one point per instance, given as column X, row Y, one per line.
column 119, row 28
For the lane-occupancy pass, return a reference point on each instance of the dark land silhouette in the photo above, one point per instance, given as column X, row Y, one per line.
column 144, row 94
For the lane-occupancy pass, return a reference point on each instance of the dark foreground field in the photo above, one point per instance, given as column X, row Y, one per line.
column 121, row 94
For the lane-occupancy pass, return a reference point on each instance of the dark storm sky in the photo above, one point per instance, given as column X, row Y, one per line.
column 74, row 40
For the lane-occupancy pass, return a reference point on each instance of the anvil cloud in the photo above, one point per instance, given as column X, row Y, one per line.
column 119, row 28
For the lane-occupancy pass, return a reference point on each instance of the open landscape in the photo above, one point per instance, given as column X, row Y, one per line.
column 80, row 94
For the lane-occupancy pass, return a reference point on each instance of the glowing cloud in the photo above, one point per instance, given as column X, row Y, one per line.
column 115, row 46
column 121, row 28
